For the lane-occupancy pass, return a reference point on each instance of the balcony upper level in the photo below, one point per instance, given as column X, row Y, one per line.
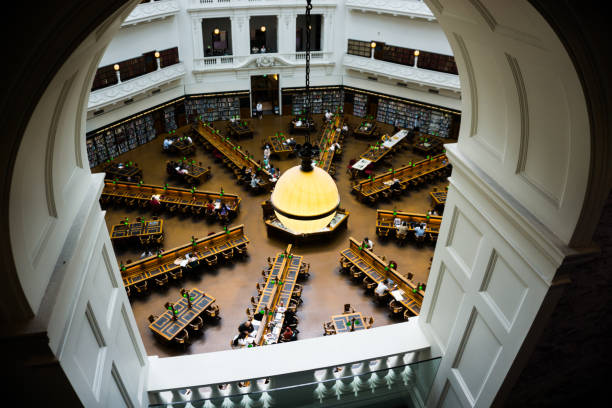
column 409, row 8
column 152, row 10
column 128, row 89
column 254, row 61
column 241, row 4
column 424, row 77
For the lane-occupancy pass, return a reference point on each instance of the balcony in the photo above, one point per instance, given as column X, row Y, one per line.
column 153, row 10
column 386, row 362
column 423, row 77
column 236, row 4
column 254, row 61
column 130, row 88
column 408, row 8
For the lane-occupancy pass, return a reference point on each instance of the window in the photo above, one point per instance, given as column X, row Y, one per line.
column 217, row 36
column 300, row 32
column 263, row 31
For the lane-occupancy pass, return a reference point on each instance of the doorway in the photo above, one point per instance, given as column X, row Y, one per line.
column 265, row 90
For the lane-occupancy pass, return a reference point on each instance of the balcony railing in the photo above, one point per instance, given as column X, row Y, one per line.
column 208, row 4
column 433, row 79
column 153, row 10
column 409, row 8
column 130, row 88
column 379, row 363
column 227, row 62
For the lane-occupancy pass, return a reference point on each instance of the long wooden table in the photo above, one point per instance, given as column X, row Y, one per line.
column 137, row 229
column 168, row 328
column 233, row 153
column 194, row 199
column 278, row 147
column 328, row 138
column 153, row 266
column 125, row 173
column 278, row 289
column 378, row 270
column 195, row 174
column 405, row 174
column 239, row 128
column 344, row 323
column 385, row 221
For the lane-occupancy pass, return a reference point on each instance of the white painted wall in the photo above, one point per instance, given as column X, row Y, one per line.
column 399, row 31
column 132, row 41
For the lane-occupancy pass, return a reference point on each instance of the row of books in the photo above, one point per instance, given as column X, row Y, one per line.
column 169, row 119
column 410, row 116
column 120, row 139
column 320, row 101
column 213, row 108
column 360, row 105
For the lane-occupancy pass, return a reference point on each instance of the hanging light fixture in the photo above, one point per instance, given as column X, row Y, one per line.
column 263, row 29
column 216, row 31
column 305, row 198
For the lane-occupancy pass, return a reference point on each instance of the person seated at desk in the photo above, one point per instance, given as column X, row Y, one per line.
column 384, row 286
column 402, row 230
column 240, row 340
column 280, row 308
column 419, row 231
column 288, row 334
column 384, row 137
column 345, row 128
column 246, row 328
column 224, row 210
column 189, row 140
column 155, row 200
column 290, row 142
column 262, row 50
column 334, row 146
column 254, row 181
column 167, row 143
column 298, row 123
column 396, row 185
column 266, row 152
column 367, row 244
column 432, row 212
column 328, row 115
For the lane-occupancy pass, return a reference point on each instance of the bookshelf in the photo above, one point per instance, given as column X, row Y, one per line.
column 360, row 105
column 430, row 121
column 169, row 119
column 360, row 48
column 119, row 139
column 321, row 101
column 213, row 108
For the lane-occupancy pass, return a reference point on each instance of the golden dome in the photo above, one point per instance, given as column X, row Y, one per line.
column 305, row 201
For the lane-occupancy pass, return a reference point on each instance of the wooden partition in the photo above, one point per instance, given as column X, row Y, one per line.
column 201, row 249
column 378, row 270
column 412, row 172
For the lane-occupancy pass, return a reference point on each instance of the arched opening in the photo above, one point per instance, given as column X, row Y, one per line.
column 498, row 54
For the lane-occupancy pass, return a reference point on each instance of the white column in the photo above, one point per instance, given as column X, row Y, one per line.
column 286, row 32
column 240, row 34
column 198, row 42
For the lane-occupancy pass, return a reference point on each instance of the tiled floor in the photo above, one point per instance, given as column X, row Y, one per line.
column 325, row 292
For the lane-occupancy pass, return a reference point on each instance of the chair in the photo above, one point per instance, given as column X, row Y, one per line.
column 141, row 287
column 265, row 274
column 328, row 328
column 406, row 314
column 420, row 240
column 368, row 284
column 380, row 298
column 213, row 312
column 292, row 306
column 161, row 280
column 382, row 233
column 242, row 250
column 159, row 239
column 297, row 290
column 348, row 309
column 259, row 288
column 369, row 322
column 356, row 273
column 197, row 324
column 211, row 260
column 410, row 276
column 254, row 302
column 249, row 313
column 152, row 318
column 395, row 307
column 228, row 255
column 345, row 265
column 178, row 274
column 182, row 339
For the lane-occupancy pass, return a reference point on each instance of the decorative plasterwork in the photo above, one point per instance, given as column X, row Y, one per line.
column 237, row 63
column 145, row 12
column 409, row 8
column 195, row 5
column 425, row 77
column 125, row 90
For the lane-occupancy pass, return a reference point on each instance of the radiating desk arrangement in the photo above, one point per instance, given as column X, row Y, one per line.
column 345, row 323
column 275, row 228
column 278, row 146
column 387, row 222
column 412, row 174
column 170, row 198
column 409, row 296
column 278, row 290
column 135, row 230
column 180, row 314
column 235, row 157
column 239, row 129
column 205, row 249
column 195, row 174
column 123, row 171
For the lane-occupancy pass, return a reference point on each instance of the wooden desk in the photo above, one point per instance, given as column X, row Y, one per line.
column 153, row 266
column 183, row 146
column 305, row 127
column 278, row 148
column 276, row 228
column 239, row 129
column 427, row 145
column 344, row 322
column 385, row 222
column 363, row 130
column 168, row 328
column 379, row 150
column 124, row 173
column 233, row 153
column 438, row 200
column 378, row 270
column 413, row 172
column 194, row 199
column 137, row 229
column 195, row 174
column 328, row 138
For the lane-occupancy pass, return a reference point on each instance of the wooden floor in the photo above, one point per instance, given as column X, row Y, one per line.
column 325, row 292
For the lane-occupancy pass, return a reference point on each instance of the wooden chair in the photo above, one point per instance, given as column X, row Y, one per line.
column 368, row 284
column 292, row 306
column 141, row 287
column 304, row 271
column 182, row 339
column 328, row 328
column 356, row 273
column 381, row 298
column 213, row 311
column 406, row 314
column 259, row 288
column 171, row 208
column 369, row 322
column 152, row 318
column 420, row 240
column 270, row 262
column 345, row 265
column 197, row 324
column 212, row 260
column 144, row 241
column 265, row 274
column 249, row 313
column 383, row 233
column 254, row 302
column 128, row 291
column 159, row 239
column 228, row 254
column 161, row 280
column 410, row 276
column 242, row 250
column 348, row 309
column 297, row 290
column 395, row 307
column 178, row 274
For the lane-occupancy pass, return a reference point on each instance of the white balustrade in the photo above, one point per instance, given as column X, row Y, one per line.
column 229, row 62
column 152, row 10
column 409, row 8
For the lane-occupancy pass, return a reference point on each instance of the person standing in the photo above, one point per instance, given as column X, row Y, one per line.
column 259, row 108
